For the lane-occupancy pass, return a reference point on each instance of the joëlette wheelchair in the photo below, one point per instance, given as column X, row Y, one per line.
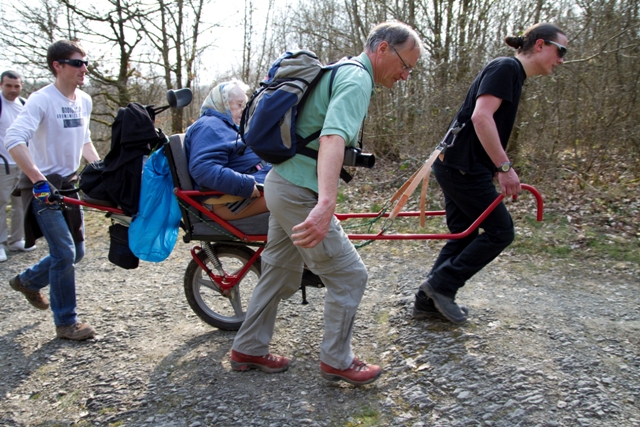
column 225, row 268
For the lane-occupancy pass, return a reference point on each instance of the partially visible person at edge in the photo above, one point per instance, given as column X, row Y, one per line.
column 215, row 154
column 55, row 123
column 302, row 226
column 477, row 158
column 11, row 104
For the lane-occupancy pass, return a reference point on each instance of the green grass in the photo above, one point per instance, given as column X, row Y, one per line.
column 557, row 237
column 382, row 317
column 342, row 198
column 366, row 417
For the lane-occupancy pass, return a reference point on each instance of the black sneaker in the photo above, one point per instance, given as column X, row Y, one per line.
column 445, row 305
column 424, row 308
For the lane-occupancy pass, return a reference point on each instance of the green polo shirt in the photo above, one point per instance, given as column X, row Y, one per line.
column 342, row 115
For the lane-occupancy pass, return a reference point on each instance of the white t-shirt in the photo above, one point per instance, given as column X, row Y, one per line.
column 56, row 129
column 10, row 110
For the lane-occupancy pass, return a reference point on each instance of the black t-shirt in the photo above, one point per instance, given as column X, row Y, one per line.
column 502, row 78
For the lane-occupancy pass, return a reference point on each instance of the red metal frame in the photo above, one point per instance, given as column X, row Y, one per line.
column 226, row 281
column 448, row 236
column 192, row 198
column 71, row 201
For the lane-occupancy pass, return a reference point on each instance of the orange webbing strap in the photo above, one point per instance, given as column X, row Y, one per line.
column 408, row 188
column 403, row 188
column 404, row 193
column 423, row 200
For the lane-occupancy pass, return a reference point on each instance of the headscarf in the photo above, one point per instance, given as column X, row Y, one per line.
column 216, row 100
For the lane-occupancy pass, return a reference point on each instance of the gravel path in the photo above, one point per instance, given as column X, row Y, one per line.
column 550, row 343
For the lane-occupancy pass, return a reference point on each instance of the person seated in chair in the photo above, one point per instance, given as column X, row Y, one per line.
column 219, row 161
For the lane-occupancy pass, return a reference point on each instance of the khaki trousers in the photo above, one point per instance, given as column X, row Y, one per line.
column 335, row 260
column 7, row 185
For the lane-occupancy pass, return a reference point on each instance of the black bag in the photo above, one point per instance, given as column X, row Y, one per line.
column 91, row 181
column 119, row 252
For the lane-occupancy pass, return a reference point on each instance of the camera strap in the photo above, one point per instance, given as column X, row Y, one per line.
column 310, row 152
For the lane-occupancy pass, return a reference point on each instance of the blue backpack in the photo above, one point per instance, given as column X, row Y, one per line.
column 268, row 123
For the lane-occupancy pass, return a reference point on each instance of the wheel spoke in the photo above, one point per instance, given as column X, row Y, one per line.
column 236, row 300
column 206, row 282
column 222, row 310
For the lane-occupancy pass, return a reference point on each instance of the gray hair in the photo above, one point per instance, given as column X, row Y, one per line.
column 234, row 88
column 395, row 34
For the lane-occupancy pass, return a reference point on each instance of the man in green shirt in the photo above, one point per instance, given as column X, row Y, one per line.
column 301, row 194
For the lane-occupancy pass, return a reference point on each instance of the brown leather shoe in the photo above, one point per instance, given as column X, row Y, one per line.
column 36, row 298
column 77, row 331
column 270, row 363
column 359, row 373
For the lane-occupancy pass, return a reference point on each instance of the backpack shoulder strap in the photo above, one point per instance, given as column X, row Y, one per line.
column 302, row 143
column 346, row 61
column 22, row 101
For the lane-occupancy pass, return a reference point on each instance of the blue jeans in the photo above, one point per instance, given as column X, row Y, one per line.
column 58, row 268
column 466, row 197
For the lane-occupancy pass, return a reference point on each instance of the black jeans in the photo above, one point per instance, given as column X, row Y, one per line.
column 466, row 197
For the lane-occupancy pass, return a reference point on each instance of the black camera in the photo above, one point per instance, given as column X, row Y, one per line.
column 355, row 157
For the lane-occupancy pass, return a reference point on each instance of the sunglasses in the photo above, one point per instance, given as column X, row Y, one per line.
column 562, row 51
column 405, row 67
column 73, row 62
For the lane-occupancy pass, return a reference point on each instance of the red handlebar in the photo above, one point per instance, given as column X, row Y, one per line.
column 472, row 227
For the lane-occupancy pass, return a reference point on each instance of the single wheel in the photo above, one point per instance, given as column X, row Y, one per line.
column 204, row 296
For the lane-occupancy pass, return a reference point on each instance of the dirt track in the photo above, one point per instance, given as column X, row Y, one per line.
column 550, row 343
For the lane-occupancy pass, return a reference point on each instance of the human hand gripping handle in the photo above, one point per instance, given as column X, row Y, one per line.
column 509, row 183
column 45, row 193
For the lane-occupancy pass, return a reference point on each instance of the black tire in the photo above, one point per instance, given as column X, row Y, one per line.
column 226, row 313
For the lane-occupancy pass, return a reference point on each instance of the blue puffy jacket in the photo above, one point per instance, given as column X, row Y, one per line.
column 213, row 151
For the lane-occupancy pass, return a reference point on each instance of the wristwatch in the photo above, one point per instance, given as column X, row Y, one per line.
column 504, row 167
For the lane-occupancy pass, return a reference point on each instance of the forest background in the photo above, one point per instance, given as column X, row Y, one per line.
column 577, row 134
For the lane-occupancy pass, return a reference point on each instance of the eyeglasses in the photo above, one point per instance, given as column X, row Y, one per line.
column 405, row 67
column 73, row 62
column 562, row 50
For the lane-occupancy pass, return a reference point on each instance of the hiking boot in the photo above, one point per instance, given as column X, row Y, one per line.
column 445, row 305
column 77, row 331
column 359, row 373
column 36, row 298
column 424, row 308
column 270, row 363
column 19, row 246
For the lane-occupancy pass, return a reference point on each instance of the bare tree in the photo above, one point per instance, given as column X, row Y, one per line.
column 31, row 27
column 173, row 29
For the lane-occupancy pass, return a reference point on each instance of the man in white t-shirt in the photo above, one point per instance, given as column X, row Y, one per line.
column 55, row 123
column 10, row 105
